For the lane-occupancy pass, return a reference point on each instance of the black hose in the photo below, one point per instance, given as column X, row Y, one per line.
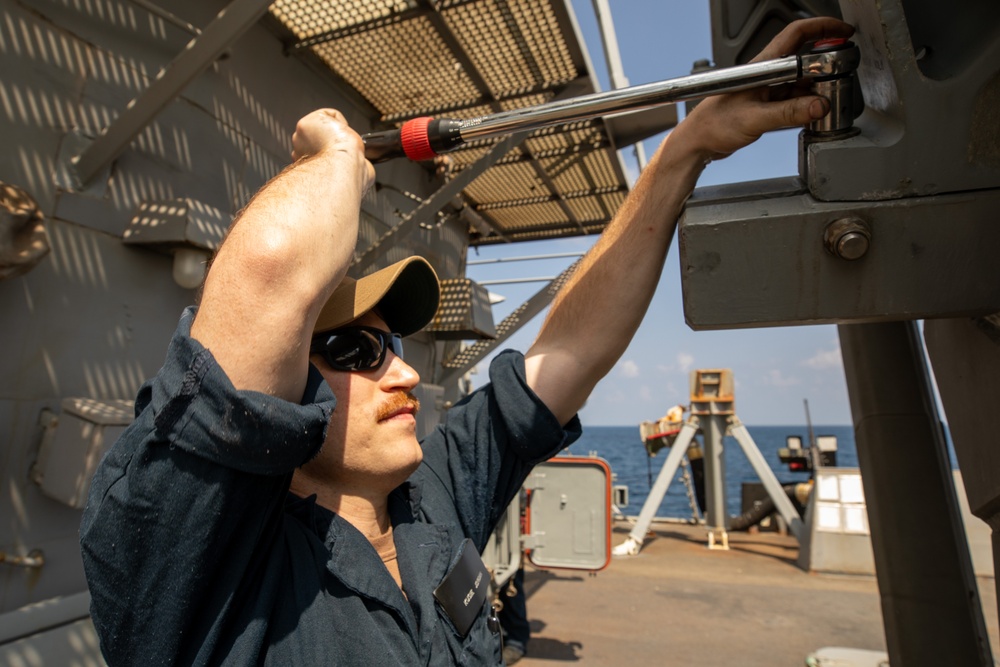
column 761, row 509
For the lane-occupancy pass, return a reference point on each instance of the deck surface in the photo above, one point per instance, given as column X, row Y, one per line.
column 678, row 603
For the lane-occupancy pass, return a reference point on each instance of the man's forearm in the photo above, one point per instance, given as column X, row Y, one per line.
column 595, row 316
column 284, row 255
column 602, row 305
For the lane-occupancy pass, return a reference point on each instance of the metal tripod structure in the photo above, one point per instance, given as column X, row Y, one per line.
column 711, row 411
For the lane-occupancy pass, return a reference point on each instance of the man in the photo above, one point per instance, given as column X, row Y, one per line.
column 271, row 504
column 513, row 617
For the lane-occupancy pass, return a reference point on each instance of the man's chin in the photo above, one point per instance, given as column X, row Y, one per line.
column 402, row 473
column 408, row 454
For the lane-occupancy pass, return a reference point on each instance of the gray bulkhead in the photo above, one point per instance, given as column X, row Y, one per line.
column 93, row 317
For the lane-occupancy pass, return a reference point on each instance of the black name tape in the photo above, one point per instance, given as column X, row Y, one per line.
column 464, row 588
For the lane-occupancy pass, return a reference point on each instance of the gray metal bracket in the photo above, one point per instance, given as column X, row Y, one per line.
column 235, row 19
column 764, row 260
column 929, row 78
column 66, row 176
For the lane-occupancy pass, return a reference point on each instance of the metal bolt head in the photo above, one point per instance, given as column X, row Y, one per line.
column 847, row 238
column 852, row 245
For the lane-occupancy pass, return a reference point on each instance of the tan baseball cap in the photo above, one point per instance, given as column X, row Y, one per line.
column 406, row 294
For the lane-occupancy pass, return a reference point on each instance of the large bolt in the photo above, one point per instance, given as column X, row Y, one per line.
column 847, row 238
column 840, row 58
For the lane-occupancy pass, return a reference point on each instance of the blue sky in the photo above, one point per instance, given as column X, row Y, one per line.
column 775, row 368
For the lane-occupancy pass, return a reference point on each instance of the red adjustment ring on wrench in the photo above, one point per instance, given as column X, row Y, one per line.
column 415, row 140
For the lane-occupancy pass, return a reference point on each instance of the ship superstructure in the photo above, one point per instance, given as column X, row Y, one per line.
column 135, row 131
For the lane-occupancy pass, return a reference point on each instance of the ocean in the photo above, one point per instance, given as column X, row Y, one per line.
column 622, row 448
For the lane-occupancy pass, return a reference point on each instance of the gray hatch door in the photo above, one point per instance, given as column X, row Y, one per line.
column 568, row 521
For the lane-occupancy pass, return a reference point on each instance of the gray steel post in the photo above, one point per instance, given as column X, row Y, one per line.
column 714, row 428
column 616, row 72
column 965, row 355
column 930, row 603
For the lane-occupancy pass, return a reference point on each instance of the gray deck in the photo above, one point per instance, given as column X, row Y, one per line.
column 677, row 603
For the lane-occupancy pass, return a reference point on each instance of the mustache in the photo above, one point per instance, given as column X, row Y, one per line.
column 398, row 400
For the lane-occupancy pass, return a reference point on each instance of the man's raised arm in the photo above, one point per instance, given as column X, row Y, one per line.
column 283, row 256
column 598, row 311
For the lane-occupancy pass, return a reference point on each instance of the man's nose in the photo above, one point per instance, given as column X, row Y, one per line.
column 398, row 373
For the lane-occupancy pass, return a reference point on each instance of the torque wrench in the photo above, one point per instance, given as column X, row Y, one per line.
column 829, row 64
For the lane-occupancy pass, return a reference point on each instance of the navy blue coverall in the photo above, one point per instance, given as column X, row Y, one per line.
column 197, row 554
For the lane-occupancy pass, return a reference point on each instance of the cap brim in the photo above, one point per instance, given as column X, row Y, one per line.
column 406, row 294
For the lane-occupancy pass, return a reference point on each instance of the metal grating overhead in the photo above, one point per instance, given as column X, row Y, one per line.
column 467, row 58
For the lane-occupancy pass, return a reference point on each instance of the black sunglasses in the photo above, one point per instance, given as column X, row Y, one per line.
column 356, row 348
